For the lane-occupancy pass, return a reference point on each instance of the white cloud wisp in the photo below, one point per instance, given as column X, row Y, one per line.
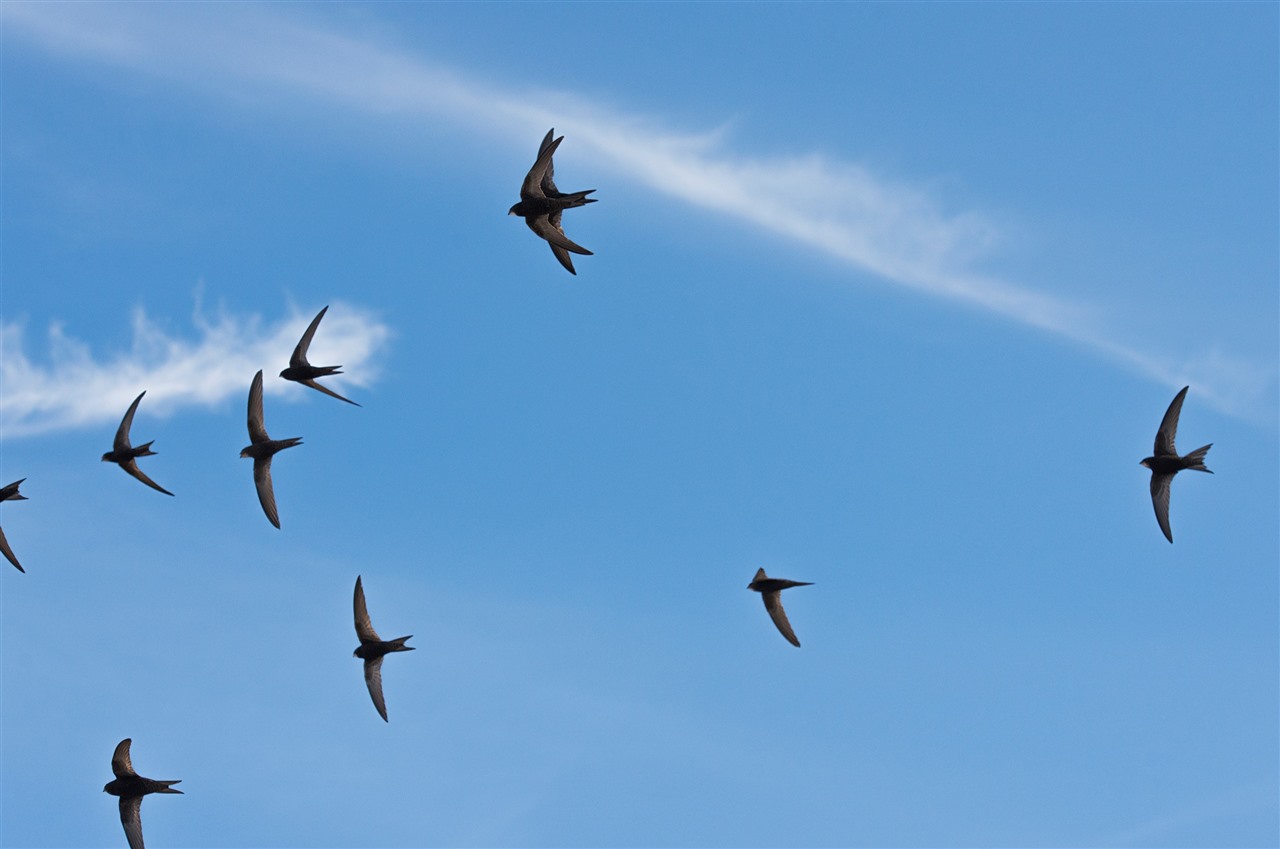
column 73, row 389
column 894, row 231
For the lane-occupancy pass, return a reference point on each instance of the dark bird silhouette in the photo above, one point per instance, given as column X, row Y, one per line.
column 262, row 448
column 541, row 203
column 301, row 371
column 1165, row 462
column 131, row 787
column 126, row 456
column 10, row 493
column 770, row 590
column 372, row 649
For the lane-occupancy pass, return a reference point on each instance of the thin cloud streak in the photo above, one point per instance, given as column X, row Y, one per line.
column 74, row 389
column 892, row 230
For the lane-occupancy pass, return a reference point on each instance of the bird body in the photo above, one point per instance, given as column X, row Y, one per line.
column 541, row 203
column 770, row 590
column 1165, row 462
column 262, row 448
column 126, row 455
column 372, row 649
column 301, row 371
column 9, row 492
column 131, row 787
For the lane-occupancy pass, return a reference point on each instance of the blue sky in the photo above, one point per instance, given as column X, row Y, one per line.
column 886, row 297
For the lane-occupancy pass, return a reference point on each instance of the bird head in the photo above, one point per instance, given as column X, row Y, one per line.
column 106, row 458
column 512, row 210
column 244, row 452
column 1147, row 462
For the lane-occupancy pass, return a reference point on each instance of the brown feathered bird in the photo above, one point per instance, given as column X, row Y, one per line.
column 770, row 590
column 372, row 649
column 131, row 787
column 262, row 448
column 1165, row 462
column 541, row 203
column 301, row 371
column 126, row 456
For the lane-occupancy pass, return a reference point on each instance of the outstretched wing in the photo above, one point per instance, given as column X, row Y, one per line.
column 8, row 552
column 548, row 182
column 122, row 434
column 326, row 390
column 373, row 680
column 773, row 604
column 364, row 627
column 299, row 357
column 131, row 466
column 131, row 819
column 552, row 232
column 120, row 763
column 266, row 493
column 1169, row 425
column 532, row 186
column 1160, row 486
column 257, row 427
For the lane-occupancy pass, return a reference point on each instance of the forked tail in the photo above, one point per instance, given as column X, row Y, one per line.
column 1195, row 460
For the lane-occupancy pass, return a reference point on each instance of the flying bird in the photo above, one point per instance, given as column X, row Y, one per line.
column 262, row 448
column 541, row 203
column 301, row 371
column 126, row 456
column 770, row 589
column 131, row 787
column 372, row 649
column 10, row 493
column 1165, row 462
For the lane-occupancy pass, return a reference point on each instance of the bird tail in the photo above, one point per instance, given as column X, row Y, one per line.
column 143, row 450
column 168, row 786
column 1195, row 460
column 576, row 199
column 398, row 644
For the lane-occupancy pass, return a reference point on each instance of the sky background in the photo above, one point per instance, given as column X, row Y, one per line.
column 886, row 297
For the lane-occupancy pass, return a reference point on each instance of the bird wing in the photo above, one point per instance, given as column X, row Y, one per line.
column 299, row 357
column 131, row 819
column 548, row 182
column 1160, row 500
column 120, row 763
column 262, row 481
column 532, row 186
column 565, row 260
column 131, row 466
column 364, row 627
column 257, row 428
column 1169, row 425
column 326, row 390
column 373, row 680
column 8, row 552
column 122, row 434
column 554, row 233
column 773, row 604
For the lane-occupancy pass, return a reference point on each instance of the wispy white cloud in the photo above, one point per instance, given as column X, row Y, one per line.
column 888, row 228
column 73, row 387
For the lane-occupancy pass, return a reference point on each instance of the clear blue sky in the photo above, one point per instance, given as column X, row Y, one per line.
column 886, row 297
